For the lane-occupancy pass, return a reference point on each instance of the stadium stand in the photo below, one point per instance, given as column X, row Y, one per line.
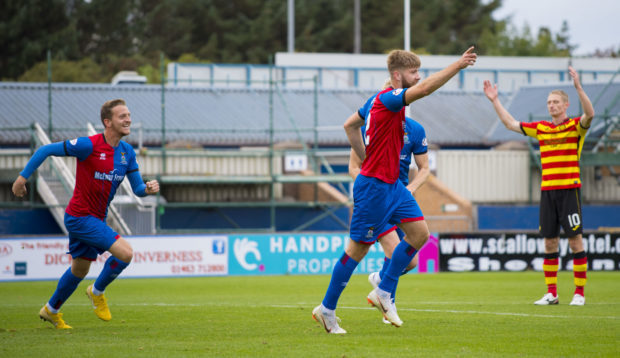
column 225, row 176
column 230, row 117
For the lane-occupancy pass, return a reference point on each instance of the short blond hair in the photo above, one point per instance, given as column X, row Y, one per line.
column 401, row 59
column 560, row 93
column 106, row 109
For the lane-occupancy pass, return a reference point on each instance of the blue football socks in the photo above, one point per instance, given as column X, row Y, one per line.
column 401, row 257
column 111, row 269
column 340, row 277
column 66, row 286
column 386, row 263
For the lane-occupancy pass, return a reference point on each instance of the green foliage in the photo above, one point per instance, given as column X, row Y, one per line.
column 445, row 315
column 130, row 34
column 152, row 74
column 28, row 28
column 85, row 70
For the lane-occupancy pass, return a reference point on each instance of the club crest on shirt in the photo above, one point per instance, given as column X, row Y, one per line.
column 123, row 159
column 73, row 141
column 425, row 142
column 102, row 156
column 406, row 138
column 397, row 91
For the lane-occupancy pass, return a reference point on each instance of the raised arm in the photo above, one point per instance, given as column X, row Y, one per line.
column 507, row 119
column 352, row 128
column 438, row 79
column 588, row 109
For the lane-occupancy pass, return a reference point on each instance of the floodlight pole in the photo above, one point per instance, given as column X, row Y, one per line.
column 407, row 26
column 357, row 27
column 407, row 29
column 49, row 94
column 291, row 26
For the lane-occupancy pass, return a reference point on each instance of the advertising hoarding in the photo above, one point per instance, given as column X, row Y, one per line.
column 154, row 256
column 522, row 251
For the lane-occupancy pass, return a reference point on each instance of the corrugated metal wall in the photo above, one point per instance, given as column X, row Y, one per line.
column 192, row 163
column 605, row 189
column 503, row 177
column 485, row 176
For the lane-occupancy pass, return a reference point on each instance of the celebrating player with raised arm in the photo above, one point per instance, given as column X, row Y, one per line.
column 561, row 141
column 414, row 143
column 103, row 161
column 379, row 197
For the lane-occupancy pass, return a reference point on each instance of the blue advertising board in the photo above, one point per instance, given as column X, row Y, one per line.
column 308, row 253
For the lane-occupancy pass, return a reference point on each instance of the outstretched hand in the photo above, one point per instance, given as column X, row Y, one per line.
column 575, row 76
column 490, row 90
column 152, row 187
column 468, row 58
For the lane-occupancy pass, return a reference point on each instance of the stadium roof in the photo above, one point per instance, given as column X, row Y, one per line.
column 233, row 117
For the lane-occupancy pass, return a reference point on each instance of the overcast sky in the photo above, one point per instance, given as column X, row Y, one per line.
column 593, row 24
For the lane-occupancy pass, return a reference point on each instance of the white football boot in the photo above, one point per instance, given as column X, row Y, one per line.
column 330, row 323
column 384, row 304
column 374, row 279
column 578, row 300
column 548, row 299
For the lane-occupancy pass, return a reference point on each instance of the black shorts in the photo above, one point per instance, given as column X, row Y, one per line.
column 560, row 207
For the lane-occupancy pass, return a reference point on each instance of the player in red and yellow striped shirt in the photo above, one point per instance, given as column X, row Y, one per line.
column 561, row 141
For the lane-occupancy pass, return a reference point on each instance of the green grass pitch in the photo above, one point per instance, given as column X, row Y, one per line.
column 445, row 314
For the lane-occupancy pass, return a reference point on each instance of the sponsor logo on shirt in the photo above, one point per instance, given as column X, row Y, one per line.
column 425, row 142
column 554, row 141
column 73, row 141
column 109, row 176
column 397, row 91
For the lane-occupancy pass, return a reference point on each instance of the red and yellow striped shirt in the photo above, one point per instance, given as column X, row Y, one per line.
column 560, row 150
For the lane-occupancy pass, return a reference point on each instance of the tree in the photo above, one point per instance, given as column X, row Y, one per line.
column 105, row 27
column 85, row 70
column 562, row 40
column 131, row 34
column 28, row 29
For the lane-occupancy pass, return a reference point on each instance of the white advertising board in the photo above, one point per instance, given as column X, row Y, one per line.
column 153, row 256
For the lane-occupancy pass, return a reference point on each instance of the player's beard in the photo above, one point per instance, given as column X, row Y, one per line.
column 123, row 131
column 407, row 84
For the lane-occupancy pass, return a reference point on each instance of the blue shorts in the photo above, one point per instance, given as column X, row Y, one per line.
column 88, row 236
column 378, row 206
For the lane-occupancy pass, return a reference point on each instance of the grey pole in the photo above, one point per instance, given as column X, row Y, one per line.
column 357, row 30
column 291, row 26
column 407, row 12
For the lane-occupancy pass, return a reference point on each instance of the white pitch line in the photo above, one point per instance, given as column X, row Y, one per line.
column 502, row 303
column 466, row 312
column 515, row 314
